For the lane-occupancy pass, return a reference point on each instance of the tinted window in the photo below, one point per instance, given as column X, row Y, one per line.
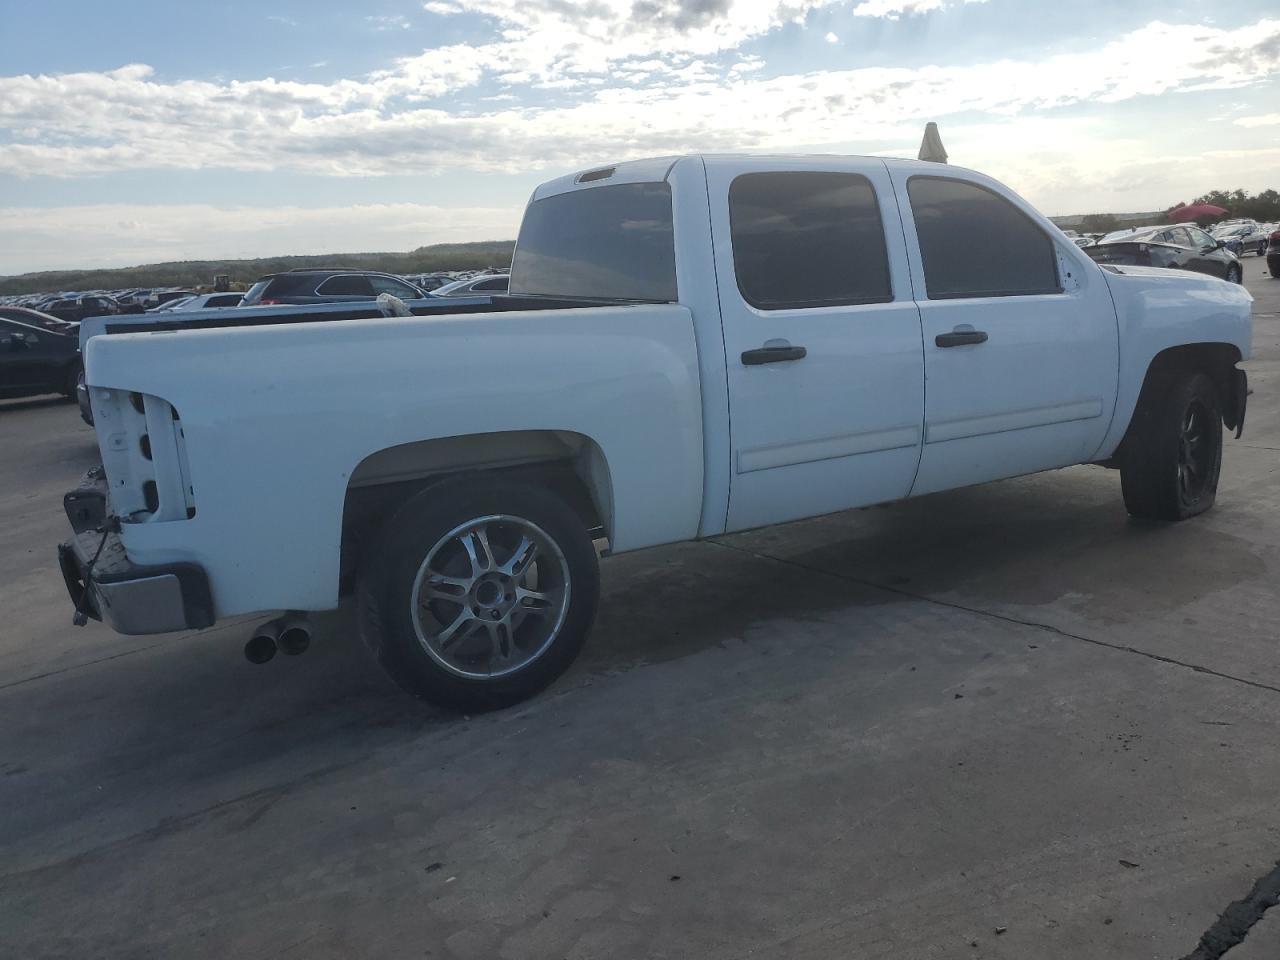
column 807, row 240
column 346, row 285
column 1201, row 239
column 225, row 300
column 975, row 243
column 397, row 288
column 497, row 283
column 609, row 243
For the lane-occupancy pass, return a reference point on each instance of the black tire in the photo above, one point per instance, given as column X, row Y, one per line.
column 1169, row 471
column 388, row 579
column 70, row 381
column 1235, row 274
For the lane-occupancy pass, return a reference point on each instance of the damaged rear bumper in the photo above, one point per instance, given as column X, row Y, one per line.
column 106, row 585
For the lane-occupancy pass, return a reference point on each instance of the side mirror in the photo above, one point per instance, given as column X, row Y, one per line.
column 1220, row 244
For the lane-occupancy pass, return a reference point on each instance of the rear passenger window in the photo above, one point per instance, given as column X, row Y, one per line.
column 975, row 243
column 346, row 285
column 807, row 240
column 394, row 287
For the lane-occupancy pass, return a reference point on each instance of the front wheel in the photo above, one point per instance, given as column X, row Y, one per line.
column 1234, row 273
column 478, row 593
column 1173, row 454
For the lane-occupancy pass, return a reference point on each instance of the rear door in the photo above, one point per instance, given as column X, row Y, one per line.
column 822, row 339
column 1020, row 334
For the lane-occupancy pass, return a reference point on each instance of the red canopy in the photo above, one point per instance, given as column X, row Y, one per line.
column 1195, row 211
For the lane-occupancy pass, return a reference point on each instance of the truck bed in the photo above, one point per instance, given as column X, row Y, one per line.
column 276, row 314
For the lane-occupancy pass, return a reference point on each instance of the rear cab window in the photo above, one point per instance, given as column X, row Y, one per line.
column 280, row 285
column 346, row 285
column 975, row 243
column 808, row 239
column 612, row 242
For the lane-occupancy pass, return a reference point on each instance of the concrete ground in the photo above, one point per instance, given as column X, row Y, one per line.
column 1000, row 722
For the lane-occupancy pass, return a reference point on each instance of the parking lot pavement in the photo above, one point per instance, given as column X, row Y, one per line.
column 1000, row 722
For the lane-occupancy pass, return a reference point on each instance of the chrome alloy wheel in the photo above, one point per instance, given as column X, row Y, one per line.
column 490, row 597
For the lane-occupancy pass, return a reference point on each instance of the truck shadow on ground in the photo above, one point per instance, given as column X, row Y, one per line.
column 193, row 703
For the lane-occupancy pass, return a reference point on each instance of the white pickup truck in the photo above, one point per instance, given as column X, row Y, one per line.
column 691, row 346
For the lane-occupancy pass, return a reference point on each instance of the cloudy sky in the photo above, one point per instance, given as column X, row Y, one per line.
column 142, row 130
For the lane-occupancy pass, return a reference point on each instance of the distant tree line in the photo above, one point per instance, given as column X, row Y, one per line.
column 1263, row 207
column 200, row 273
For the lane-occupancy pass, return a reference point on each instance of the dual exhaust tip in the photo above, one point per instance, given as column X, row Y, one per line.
column 290, row 634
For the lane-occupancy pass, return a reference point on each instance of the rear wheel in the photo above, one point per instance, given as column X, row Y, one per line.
column 478, row 593
column 1173, row 453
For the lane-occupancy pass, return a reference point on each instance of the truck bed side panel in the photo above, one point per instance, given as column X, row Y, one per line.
column 276, row 418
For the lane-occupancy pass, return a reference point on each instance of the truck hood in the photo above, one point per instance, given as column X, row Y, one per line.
column 1165, row 278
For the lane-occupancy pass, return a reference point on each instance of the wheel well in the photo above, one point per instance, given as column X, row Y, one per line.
column 1218, row 360
column 570, row 465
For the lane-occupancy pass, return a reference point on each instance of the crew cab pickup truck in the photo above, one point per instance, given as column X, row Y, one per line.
column 691, row 346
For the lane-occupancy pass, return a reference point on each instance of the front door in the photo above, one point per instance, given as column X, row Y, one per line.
column 1020, row 336
column 822, row 339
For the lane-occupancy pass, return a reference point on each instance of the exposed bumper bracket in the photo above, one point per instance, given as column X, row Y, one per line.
column 133, row 599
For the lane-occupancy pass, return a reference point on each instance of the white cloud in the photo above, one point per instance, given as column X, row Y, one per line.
column 33, row 238
column 630, row 78
column 1265, row 120
column 83, row 123
column 895, row 9
column 287, row 21
column 384, row 22
column 831, row 38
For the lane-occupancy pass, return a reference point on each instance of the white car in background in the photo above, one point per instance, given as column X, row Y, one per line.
column 200, row 302
column 476, row 286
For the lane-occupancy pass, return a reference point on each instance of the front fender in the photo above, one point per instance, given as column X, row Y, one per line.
column 1160, row 310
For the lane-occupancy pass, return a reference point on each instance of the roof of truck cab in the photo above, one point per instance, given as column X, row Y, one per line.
column 657, row 169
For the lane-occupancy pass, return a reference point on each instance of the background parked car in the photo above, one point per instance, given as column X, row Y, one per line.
column 1273, row 253
column 161, row 297
column 327, row 286
column 1181, row 246
column 1242, row 238
column 427, row 282
column 205, row 301
column 35, row 356
column 35, row 318
column 76, row 309
column 477, row 286
column 199, row 302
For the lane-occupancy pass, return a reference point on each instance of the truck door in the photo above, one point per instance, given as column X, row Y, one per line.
column 1020, row 335
column 822, row 338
